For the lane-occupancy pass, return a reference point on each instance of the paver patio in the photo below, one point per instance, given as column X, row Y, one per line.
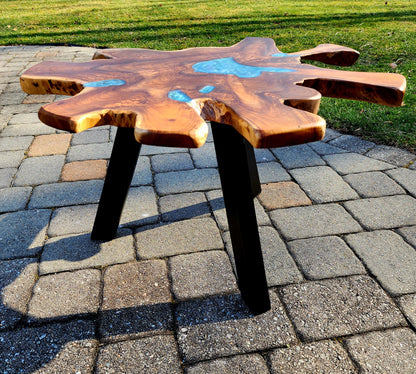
column 337, row 224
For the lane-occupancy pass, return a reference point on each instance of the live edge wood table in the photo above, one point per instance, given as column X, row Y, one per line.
column 253, row 94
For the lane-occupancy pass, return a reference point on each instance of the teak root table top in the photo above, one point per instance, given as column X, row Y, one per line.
column 266, row 97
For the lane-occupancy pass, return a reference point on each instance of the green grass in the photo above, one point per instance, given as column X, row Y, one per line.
column 383, row 31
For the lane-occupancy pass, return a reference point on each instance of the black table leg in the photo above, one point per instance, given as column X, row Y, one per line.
column 252, row 168
column 120, row 172
column 235, row 166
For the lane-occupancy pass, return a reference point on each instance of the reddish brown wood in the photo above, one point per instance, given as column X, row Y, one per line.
column 270, row 110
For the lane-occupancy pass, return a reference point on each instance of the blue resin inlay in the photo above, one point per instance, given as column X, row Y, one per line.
column 207, row 89
column 178, row 95
column 105, row 83
column 229, row 66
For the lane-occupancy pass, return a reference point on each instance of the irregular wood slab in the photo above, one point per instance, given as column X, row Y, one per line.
column 269, row 97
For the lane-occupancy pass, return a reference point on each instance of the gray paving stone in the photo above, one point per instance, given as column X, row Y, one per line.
column 24, row 118
column 172, row 162
column 325, row 257
column 202, row 274
column 384, row 212
column 222, row 326
column 38, row 170
column 53, row 348
column 25, row 129
column 278, row 264
column 140, row 207
column 272, row 172
column 330, row 134
column 384, row 352
column 66, row 193
column 11, row 159
column 15, row 198
column 323, row 185
column 373, row 184
column 252, row 363
column 263, row 155
column 72, row 220
column 176, row 238
column 22, row 234
column 326, row 357
column 15, row 143
column 389, row 258
column 216, row 201
column 322, row 148
column 405, row 177
column 61, row 295
column 298, row 156
column 154, row 354
column 187, row 181
column 409, row 233
column 72, row 252
column 407, row 304
column 12, row 98
column 204, row 157
column 314, row 220
column 136, row 300
column 392, row 155
column 89, row 152
column 184, row 206
column 142, row 173
column 94, row 135
column 149, row 150
column 352, row 143
column 348, row 163
column 337, row 307
column 17, row 278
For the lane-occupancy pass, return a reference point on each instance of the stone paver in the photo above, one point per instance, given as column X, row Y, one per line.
column 155, row 354
column 38, row 170
column 278, row 264
column 176, row 238
column 84, row 170
column 201, row 274
column 15, row 198
column 54, row 144
column 389, row 258
column 384, row 352
column 17, row 278
column 136, row 300
column 337, row 227
column 71, row 252
column 347, row 163
column 61, row 295
column 282, row 195
column 326, row 357
column 252, row 363
column 54, row 348
column 373, row 184
column 298, row 156
column 325, row 257
column 384, row 212
column 407, row 304
column 338, row 307
column 222, row 326
column 315, row 220
column 323, row 185
column 184, row 206
column 22, row 233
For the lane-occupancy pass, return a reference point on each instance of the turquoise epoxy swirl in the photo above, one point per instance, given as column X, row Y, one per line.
column 228, row 66
column 105, row 83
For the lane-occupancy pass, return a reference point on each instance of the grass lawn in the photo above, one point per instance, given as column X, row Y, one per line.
column 383, row 31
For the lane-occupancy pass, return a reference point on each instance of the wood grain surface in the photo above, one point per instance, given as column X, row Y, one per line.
column 269, row 97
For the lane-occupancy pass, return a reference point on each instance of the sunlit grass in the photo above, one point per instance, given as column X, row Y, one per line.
column 383, row 31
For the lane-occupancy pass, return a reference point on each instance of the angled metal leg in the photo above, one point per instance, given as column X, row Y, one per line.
column 235, row 164
column 252, row 167
column 117, row 182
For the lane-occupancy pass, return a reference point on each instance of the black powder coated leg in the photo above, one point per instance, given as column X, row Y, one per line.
column 252, row 166
column 234, row 165
column 120, row 172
